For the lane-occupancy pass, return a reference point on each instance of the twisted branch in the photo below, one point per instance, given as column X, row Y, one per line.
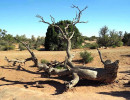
column 100, row 56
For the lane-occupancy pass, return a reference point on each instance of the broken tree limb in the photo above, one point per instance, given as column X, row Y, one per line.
column 100, row 56
column 53, row 71
column 14, row 61
column 33, row 57
column 73, row 82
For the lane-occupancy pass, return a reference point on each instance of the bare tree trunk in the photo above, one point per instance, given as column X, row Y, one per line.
column 68, row 50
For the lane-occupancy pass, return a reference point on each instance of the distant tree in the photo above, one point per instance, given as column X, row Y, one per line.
column 115, row 39
column 109, row 38
column 6, row 41
column 39, row 41
column 2, row 33
column 103, row 37
column 53, row 40
column 120, row 34
column 9, row 38
column 85, row 37
column 126, row 39
column 103, row 31
column 92, row 38
column 21, row 38
column 33, row 39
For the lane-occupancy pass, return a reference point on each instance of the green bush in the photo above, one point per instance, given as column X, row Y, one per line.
column 8, row 47
column 1, row 48
column 86, row 57
column 44, row 61
column 113, row 46
column 91, row 45
column 119, row 44
column 21, row 47
column 94, row 46
column 87, row 45
column 109, row 38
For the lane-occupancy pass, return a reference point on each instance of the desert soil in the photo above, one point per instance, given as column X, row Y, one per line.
column 20, row 84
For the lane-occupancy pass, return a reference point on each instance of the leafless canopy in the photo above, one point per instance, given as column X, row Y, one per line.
column 74, row 22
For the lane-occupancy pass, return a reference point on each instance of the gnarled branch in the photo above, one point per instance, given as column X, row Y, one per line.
column 34, row 59
column 78, row 16
column 100, row 56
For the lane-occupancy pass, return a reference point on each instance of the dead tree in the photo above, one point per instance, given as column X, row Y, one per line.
column 106, row 74
column 65, row 34
column 33, row 57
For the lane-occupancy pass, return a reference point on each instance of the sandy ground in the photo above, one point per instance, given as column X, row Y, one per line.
column 54, row 87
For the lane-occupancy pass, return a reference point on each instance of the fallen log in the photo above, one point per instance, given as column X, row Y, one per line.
column 107, row 74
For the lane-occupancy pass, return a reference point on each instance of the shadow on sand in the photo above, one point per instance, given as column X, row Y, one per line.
column 125, row 55
column 59, row 87
column 124, row 94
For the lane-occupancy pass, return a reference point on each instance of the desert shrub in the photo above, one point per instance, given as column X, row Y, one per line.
column 8, row 47
column 86, row 57
column 120, row 43
column 21, row 47
column 44, row 61
column 109, row 38
column 113, row 46
column 1, row 48
column 94, row 46
column 4, row 45
column 90, row 45
column 87, row 45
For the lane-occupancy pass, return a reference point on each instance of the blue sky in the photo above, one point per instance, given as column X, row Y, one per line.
column 18, row 16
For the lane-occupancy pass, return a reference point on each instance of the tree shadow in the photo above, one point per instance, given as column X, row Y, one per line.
column 59, row 87
column 125, row 55
column 42, row 49
column 64, row 78
column 124, row 94
column 85, row 82
column 127, row 84
column 79, row 61
column 128, row 72
column 15, row 82
column 82, row 82
column 21, row 69
column 8, row 67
